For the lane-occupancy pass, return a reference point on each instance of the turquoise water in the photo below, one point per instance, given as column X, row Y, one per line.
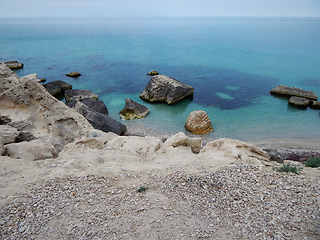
column 232, row 63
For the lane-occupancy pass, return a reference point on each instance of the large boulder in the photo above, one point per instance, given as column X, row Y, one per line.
column 14, row 64
column 76, row 94
column 292, row 91
column 34, row 150
column 57, row 87
column 100, row 121
column 299, row 102
column 198, row 122
column 96, row 105
column 162, row 88
column 133, row 110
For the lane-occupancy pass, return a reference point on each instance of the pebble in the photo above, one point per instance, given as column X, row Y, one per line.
column 237, row 202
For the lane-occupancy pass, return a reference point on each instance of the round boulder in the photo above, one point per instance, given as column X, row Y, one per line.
column 198, row 122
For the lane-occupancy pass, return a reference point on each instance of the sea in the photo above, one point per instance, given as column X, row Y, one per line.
column 232, row 63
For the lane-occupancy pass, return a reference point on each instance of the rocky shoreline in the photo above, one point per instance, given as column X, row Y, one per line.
column 100, row 185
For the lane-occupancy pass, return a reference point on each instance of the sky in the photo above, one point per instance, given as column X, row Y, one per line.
column 158, row 8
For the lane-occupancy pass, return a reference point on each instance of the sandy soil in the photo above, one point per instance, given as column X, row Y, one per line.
column 25, row 183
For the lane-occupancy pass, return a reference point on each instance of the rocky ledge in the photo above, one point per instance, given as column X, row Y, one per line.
column 14, row 64
column 292, row 91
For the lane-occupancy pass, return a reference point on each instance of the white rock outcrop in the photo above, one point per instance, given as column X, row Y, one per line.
column 25, row 99
column 180, row 139
column 233, row 151
column 37, row 149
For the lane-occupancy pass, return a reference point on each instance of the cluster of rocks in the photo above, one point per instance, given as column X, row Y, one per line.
column 87, row 104
column 160, row 88
column 297, row 96
column 34, row 124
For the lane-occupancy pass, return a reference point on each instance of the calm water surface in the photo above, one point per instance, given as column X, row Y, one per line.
column 232, row 63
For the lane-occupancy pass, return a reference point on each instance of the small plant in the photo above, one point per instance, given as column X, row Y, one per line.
column 141, row 189
column 289, row 168
column 313, row 162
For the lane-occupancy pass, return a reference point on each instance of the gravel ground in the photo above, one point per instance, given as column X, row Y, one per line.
column 236, row 202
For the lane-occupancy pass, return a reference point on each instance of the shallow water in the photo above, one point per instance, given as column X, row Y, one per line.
column 232, row 63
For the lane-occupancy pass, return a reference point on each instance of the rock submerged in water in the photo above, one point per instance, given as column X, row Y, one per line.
column 198, row 122
column 162, row 88
column 292, row 91
column 153, row 73
column 315, row 104
column 133, row 110
column 299, row 102
column 74, row 74
column 14, row 64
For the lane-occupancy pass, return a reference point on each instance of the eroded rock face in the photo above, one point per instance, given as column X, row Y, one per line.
column 180, row 139
column 299, row 101
column 162, row 88
column 198, row 122
column 31, row 108
column 1, row 146
column 57, row 87
column 133, row 110
column 292, row 91
column 134, row 144
column 236, row 151
column 34, row 150
column 8, row 134
column 76, row 94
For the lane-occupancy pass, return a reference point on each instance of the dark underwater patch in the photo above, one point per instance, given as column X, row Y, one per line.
column 218, row 87
column 221, row 88
column 311, row 82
